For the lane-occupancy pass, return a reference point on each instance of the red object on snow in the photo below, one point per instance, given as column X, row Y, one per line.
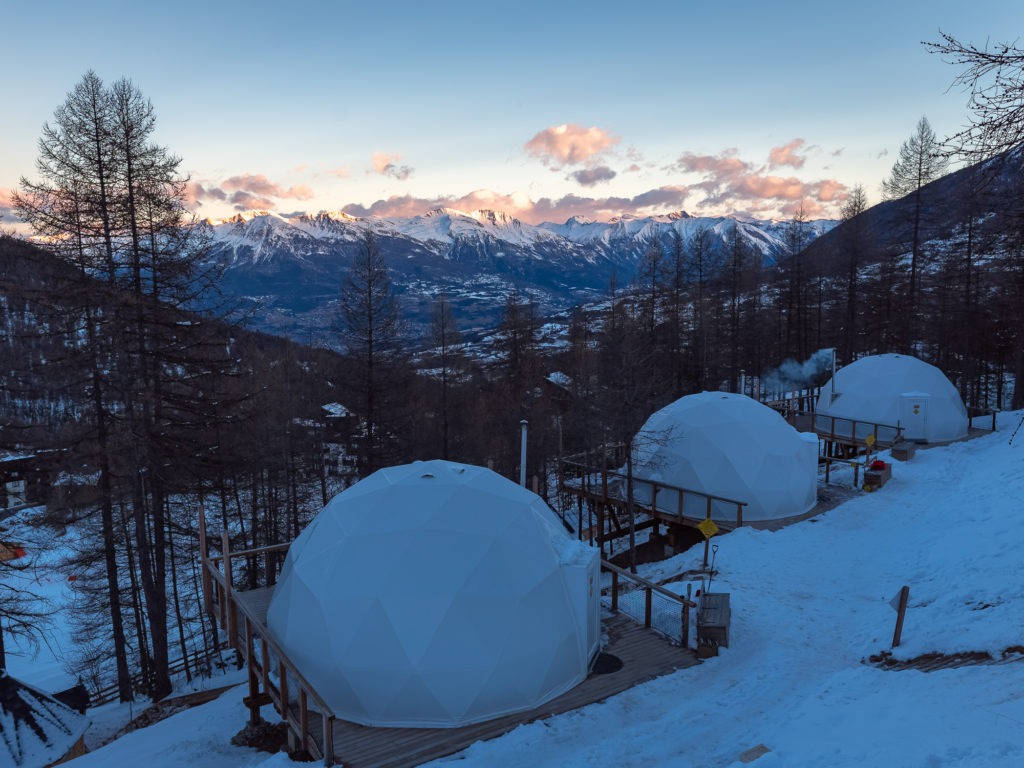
column 19, row 552
column 878, row 464
column 72, row 578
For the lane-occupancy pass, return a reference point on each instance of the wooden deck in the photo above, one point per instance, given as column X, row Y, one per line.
column 274, row 679
column 645, row 656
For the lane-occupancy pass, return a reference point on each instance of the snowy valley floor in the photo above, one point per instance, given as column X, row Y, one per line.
column 810, row 603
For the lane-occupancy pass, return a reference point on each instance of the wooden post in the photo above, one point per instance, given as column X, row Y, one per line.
column 707, row 540
column 282, row 675
column 900, row 613
column 204, row 565
column 328, row 723
column 647, row 607
column 739, row 515
column 254, row 686
column 536, row 484
column 685, row 637
column 304, row 720
column 265, row 664
column 615, row 590
column 231, row 623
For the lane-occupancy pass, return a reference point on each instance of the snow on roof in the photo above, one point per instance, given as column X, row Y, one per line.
column 337, row 410
column 897, row 390
column 35, row 728
column 727, row 445
column 437, row 594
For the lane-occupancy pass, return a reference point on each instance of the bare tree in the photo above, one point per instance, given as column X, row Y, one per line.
column 370, row 330
column 994, row 78
column 853, row 246
column 920, row 162
column 447, row 341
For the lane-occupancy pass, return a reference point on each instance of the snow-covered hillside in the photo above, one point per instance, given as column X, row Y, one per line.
column 290, row 267
column 810, row 604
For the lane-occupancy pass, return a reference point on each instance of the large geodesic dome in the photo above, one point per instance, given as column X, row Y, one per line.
column 436, row 595
column 897, row 390
column 726, row 445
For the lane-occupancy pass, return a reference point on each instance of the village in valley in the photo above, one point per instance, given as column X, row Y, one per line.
column 439, row 480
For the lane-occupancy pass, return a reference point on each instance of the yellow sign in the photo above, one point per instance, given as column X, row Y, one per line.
column 870, row 440
column 708, row 528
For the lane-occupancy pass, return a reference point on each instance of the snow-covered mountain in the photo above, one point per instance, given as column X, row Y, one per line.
column 293, row 265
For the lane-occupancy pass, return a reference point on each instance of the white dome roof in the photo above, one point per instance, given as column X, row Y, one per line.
column 897, row 390
column 728, row 445
column 435, row 595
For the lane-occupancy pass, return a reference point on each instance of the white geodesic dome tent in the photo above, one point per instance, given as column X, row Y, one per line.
column 897, row 390
column 436, row 595
column 731, row 446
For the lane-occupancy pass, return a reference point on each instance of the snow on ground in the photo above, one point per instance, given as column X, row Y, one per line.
column 197, row 738
column 41, row 661
column 809, row 603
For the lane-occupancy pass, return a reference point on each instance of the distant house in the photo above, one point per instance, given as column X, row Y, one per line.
column 36, row 730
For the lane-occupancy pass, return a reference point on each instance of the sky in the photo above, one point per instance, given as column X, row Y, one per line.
column 542, row 110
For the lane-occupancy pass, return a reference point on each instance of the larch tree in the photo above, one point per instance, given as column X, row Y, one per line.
column 370, row 330
column 447, row 341
column 920, row 162
column 853, row 247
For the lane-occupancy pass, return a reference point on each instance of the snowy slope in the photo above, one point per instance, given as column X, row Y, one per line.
column 810, row 603
column 290, row 267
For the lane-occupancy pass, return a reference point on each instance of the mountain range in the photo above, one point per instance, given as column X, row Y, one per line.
column 289, row 269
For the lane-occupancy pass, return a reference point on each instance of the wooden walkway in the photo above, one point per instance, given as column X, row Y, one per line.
column 645, row 656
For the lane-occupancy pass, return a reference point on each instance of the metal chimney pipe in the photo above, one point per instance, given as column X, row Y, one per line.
column 522, row 453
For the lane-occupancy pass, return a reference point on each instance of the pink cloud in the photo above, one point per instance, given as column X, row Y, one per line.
column 659, row 200
column 729, row 180
column 588, row 177
column 341, row 172
column 838, row 152
column 6, row 197
column 788, row 154
column 258, row 184
column 811, row 209
column 387, row 165
column 569, row 144
column 244, row 201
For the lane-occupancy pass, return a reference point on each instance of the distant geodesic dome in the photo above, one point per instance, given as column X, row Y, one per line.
column 897, row 390
column 727, row 445
column 436, row 595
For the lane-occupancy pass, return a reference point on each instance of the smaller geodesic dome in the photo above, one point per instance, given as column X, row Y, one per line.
column 897, row 390
column 726, row 445
column 436, row 595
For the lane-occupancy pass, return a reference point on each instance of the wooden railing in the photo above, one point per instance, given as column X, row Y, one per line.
column 579, row 475
column 176, row 666
column 220, row 601
column 839, row 429
column 650, row 589
column 973, row 412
